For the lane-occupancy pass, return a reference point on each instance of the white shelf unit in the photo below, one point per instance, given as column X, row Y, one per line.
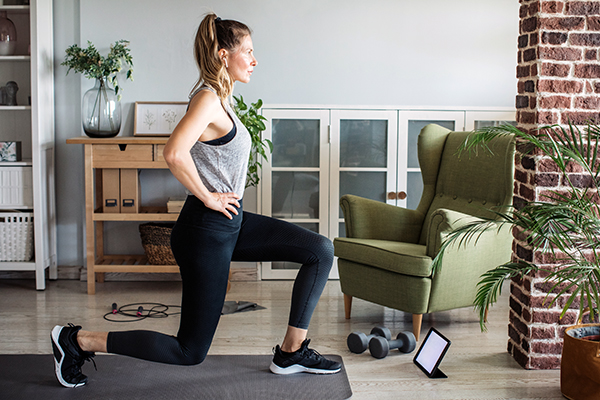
column 32, row 123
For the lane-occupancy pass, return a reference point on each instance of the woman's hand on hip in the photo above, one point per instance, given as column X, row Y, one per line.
column 224, row 203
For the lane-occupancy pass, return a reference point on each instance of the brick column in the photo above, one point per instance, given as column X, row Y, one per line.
column 558, row 81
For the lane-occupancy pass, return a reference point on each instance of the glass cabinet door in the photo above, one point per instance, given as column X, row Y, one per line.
column 479, row 119
column 410, row 182
column 363, row 159
column 295, row 181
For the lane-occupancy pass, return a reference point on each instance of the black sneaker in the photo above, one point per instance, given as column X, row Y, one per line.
column 303, row 360
column 68, row 356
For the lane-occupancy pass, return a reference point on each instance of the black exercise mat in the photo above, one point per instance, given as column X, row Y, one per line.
column 218, row 377
column 230, row 307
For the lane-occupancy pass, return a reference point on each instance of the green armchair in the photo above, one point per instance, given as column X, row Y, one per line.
column 387, row 254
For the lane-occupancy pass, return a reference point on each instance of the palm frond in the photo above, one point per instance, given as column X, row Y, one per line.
column 481, row 138
column 490, row 285
column 577, row 278
column 556, row 142
column 559, row 225
column 565, row 225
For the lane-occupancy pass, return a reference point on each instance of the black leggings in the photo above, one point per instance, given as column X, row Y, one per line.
column 204, row 242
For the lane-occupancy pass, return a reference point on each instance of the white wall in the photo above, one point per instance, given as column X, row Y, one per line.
column 342, row 52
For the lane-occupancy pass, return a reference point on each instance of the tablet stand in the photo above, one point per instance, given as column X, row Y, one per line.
column 437, row 374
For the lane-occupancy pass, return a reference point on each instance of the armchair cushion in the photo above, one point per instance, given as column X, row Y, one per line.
column 399, row 257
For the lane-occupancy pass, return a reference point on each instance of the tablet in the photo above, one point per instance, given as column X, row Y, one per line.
column 431, row 352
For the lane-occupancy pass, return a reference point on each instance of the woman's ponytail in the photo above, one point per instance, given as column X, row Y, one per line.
column 213, row 35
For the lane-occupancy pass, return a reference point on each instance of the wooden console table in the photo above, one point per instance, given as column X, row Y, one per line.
column 117, row 153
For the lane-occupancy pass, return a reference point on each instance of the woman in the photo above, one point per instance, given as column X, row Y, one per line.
column 208, row 153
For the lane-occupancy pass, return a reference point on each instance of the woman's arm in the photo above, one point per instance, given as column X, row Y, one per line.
column 203, row 111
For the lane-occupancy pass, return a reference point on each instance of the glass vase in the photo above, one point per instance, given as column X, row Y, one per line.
column 101, row 111
column 8, row 36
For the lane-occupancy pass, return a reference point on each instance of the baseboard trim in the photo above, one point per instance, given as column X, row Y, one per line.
column 237, row 275
column 75, row 272
column 65, row 272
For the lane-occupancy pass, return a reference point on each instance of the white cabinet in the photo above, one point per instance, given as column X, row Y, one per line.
column 321, row 154
column 32, row 123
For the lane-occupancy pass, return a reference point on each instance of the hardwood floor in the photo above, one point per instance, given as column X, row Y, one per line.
column 477, row 364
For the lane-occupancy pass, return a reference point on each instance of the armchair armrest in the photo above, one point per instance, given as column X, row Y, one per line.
column 443, row 222
column 370, row 219
column 455, row 281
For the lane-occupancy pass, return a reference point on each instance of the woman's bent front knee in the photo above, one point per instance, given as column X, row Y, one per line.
column 323, row 247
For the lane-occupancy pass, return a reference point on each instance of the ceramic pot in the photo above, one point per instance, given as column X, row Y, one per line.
column 580, row 363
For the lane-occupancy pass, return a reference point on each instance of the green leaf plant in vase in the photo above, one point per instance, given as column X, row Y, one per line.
column 565, row 227
column 101, row 105
column 253, row 121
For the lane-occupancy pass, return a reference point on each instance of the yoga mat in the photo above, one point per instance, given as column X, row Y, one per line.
column 231, row 307
column 218, row 377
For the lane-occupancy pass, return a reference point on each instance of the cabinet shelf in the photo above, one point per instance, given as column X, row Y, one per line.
column 15, row 108
column 146, row 214
column 17, row 265
column 24, row 163
column 15, row 9
column 130, row 263
column 16, row 57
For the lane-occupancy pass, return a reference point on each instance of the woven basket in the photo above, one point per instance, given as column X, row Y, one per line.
column 156, row 240
column 16, row 236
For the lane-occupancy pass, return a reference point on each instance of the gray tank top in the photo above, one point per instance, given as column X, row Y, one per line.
column 223, row 168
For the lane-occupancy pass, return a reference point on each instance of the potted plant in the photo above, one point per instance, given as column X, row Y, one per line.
column 101, row 107
column 566, row 225
column 253, row 121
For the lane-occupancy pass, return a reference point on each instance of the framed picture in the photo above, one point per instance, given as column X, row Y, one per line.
column 153, row 118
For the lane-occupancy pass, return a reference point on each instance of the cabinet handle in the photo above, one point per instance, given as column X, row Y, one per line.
column 391, row 196
column 401, row 195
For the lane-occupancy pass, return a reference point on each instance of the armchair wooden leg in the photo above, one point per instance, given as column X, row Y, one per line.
column 347, row 305
column 417, row 320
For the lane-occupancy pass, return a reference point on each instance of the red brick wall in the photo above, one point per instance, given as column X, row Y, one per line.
column 558, row 81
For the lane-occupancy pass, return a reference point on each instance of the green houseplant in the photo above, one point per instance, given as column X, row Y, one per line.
column 253, row 121
column 101, row 107
column 565, row 226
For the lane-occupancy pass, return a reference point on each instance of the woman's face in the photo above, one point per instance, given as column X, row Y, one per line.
column 242, row 62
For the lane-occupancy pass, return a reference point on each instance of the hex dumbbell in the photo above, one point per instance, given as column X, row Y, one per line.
column 358, row 341
column 405, row 342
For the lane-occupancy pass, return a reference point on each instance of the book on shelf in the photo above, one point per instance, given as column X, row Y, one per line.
column 174, row 204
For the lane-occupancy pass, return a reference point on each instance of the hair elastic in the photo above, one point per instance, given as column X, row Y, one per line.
column 218, row 19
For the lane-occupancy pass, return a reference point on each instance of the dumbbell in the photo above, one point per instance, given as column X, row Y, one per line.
column 405, row 342
column 358, row 341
